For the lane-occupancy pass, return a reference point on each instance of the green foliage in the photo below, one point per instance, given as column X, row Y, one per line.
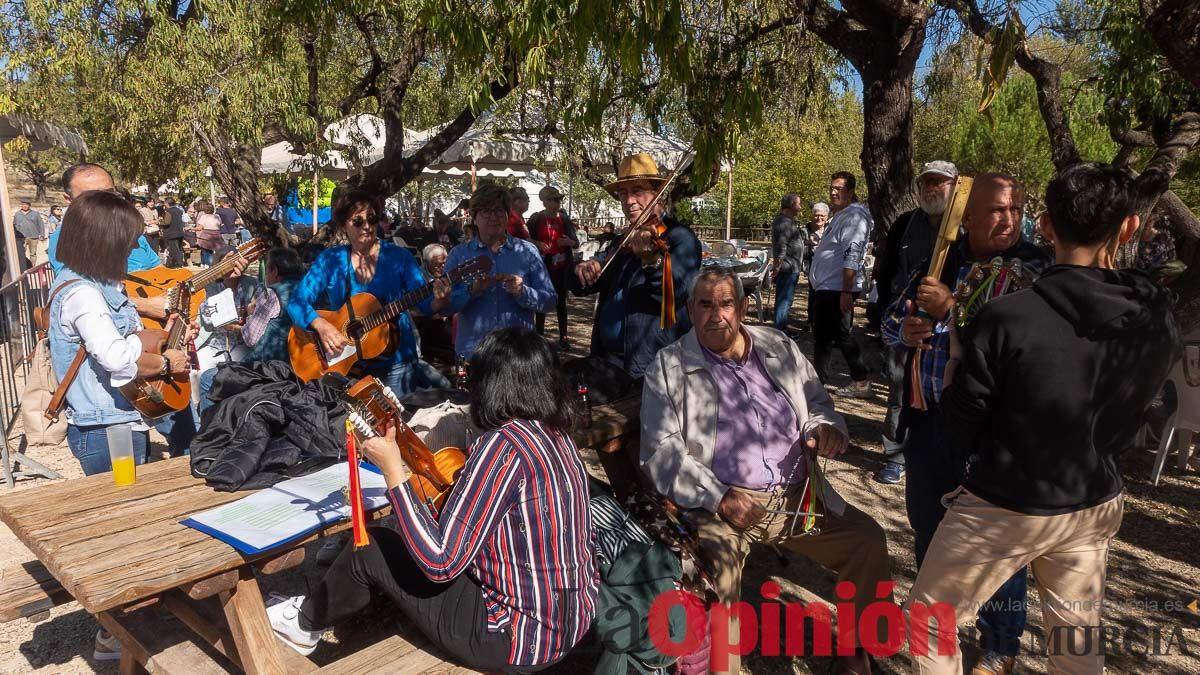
column 1133, row 70
column 794, row 154
column 1018, row 142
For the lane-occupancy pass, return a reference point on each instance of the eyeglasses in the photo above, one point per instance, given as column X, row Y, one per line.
column 491, row 213
column 372, row 219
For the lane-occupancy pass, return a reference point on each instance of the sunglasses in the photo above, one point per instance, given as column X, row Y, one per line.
column 372, row 219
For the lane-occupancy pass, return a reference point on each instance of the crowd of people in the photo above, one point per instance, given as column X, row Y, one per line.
column 1007, row 427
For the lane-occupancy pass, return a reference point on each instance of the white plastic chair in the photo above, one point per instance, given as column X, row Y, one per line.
column 753, row 281
column 722, row 249
column 1185, row 421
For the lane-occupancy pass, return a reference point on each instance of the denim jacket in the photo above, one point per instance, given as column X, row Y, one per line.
column 92, row 400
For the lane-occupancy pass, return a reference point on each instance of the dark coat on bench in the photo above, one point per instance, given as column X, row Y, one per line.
column 264, row 423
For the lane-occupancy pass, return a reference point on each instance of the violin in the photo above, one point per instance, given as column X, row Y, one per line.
column 658, row 251
column 371, row 406
column 651, row 221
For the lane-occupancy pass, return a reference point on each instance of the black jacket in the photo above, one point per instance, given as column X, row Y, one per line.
column 625, row 330
column 1054, row 384
column 251, row 438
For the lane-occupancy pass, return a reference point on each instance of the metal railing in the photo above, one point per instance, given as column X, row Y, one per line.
column 18, row 336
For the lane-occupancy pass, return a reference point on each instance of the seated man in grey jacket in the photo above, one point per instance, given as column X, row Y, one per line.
column 730, row 416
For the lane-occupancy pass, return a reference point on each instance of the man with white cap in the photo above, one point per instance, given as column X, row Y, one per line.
column 906, row 252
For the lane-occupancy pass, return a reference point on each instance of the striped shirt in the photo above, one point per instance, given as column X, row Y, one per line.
column 517, row 522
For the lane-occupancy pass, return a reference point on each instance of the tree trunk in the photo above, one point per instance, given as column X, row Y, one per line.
column 887, row 152
column 235, row 168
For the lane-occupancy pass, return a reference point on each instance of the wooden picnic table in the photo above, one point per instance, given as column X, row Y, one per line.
column 120, row 550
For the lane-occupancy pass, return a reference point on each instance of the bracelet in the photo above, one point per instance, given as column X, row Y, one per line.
column 166, row 367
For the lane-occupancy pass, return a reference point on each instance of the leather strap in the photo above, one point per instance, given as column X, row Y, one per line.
column 59, row 398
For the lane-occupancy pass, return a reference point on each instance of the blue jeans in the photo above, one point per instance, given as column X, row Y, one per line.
column 785, row 290
column 90, row 446
column 206, row 257
column 206, row 382
column 405, row 378
column 179, row 430
column 933, row 468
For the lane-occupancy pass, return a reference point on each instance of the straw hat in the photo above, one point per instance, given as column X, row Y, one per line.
column 635, row 168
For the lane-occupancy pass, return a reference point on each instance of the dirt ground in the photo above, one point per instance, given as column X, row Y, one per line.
column 1154, row 569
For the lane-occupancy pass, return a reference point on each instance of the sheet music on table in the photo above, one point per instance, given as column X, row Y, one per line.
column 290, row 509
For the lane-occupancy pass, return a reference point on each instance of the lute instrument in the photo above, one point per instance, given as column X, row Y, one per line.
column 176, row 282
column 365, row 322
column 158, row 395
column 371, row 407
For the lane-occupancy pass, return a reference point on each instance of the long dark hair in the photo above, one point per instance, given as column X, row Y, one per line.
column 515, row 375
column 98, row 232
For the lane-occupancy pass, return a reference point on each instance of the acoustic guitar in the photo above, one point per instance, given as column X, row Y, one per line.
column 175, row 283
column 364, row 322
column 157, row 396
column 371, row 406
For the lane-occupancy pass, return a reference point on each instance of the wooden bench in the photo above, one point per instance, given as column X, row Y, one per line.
column 159, row 643
column 29, row 591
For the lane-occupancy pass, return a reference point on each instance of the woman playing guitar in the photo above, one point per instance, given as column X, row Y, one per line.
column 366, row 265
column 89, row 307
column 504, row 579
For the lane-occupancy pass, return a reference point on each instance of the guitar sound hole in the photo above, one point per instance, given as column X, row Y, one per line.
column 354, row 330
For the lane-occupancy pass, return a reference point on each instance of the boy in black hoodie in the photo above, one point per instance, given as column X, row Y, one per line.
column 1052, row 385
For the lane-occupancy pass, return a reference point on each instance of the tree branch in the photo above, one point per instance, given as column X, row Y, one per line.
column 1047, row 77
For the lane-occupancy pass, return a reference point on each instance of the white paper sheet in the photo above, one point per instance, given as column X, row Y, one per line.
column 288, row 510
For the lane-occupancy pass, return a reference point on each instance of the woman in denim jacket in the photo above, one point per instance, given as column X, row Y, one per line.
column 89, row 307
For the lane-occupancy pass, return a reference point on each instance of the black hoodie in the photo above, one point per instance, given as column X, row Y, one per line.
column 1054, row 383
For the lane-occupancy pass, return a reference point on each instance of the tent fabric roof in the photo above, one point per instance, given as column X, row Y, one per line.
column 42, row 135
column 486, row 145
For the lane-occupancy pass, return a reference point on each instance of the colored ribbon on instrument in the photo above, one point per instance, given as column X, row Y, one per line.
column 916, row 397
column 666, row 315
column 358, row 516
column 812, row 492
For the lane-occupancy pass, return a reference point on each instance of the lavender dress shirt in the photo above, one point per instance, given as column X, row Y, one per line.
column 759, row 443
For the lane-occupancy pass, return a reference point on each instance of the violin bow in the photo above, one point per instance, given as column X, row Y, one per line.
column 688, row 158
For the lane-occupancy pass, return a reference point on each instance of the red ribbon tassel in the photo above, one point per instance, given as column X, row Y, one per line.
column 666, row 317
column 358, row 516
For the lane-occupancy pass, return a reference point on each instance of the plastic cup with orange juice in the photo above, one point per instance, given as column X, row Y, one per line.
column 120, row 451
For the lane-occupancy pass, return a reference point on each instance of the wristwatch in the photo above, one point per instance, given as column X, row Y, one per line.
column 166, row 368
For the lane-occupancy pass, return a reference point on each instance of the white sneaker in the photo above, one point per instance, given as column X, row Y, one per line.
column 108, row 647
column 285, row 620
column 856, row 390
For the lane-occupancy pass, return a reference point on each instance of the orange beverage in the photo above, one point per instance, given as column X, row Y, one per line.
column 124, row 471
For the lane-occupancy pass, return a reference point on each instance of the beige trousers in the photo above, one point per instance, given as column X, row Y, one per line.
column 851, row 544
column 31, row 250
column 979, row 545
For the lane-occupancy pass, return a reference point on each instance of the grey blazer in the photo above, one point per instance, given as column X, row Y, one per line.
column 680, row 411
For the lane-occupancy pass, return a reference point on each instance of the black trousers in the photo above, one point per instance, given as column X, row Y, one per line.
column 558, row 278
column 831, row 328
column 174, row 253
column 452, row 615
column 893, row 368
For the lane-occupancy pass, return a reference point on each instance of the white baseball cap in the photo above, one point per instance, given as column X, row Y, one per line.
column 939, row 167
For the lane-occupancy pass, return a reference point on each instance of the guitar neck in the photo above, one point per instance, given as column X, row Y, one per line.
column 217, row 271
column 395, row 308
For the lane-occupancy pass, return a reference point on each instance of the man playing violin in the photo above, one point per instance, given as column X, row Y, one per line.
column 367, row 265
column 632, row 322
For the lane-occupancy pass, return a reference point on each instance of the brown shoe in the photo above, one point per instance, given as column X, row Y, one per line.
column 992, row 663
